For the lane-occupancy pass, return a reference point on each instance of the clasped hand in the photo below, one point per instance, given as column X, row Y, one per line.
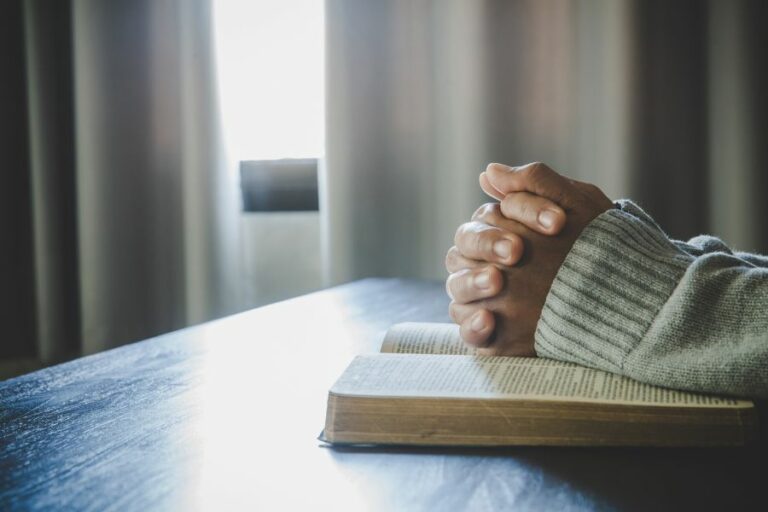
column 506, row 258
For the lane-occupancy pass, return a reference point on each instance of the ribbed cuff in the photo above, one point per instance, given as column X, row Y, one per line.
column 617, row 276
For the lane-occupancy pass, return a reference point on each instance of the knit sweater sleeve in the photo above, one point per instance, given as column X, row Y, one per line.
column 687, row 315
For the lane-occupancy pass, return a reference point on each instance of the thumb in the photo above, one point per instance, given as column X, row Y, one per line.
column 536, row 178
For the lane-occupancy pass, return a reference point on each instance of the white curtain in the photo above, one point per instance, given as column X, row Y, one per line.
column 644, row 98
column 156, row 207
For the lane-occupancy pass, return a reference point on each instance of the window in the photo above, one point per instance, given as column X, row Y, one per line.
column 271, row 77
column 270, row 58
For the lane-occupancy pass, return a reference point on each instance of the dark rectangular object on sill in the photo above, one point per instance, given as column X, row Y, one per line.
column 286, row 185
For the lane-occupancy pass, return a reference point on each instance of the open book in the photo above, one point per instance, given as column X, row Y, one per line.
column 428, row 388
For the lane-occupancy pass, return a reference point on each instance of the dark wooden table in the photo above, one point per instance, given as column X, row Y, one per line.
column 225, row 416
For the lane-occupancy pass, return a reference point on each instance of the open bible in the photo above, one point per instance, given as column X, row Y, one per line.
column 428, row 388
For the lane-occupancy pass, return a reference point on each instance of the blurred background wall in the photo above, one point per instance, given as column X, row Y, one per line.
column 660, row 101
column 119, row 208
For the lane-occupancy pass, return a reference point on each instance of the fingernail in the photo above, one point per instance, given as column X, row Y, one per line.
column 482, row 280
column 477, row 324
column 547, row 218
column 503, row 249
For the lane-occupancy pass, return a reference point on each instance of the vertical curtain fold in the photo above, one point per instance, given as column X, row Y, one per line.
column 738, row 154
column 17, row 288
column 400, row 76
column 127, row 178
column 669, row 162
column 118, row 211
column 157, row 207
column 756, row 40
column 48, row 41
column 211, row 199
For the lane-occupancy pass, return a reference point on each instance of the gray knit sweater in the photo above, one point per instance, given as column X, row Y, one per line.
column 627, row 299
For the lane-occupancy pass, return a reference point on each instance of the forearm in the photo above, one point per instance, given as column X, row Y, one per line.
column 712, row 333
column 629, row 300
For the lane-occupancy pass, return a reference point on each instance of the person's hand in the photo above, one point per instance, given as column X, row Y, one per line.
column 531, row 195
column 483, row 243
column 539, row 197
column 497, row 306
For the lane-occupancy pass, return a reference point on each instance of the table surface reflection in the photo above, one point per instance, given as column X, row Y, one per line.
column 225, row 416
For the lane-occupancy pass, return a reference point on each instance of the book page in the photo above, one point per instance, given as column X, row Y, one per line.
column 485, row 377
column 424, row 338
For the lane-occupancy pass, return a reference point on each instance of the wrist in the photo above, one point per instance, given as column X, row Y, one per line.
column 615, row 279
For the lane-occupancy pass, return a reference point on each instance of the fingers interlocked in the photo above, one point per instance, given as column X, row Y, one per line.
column 533, row 199
column 477, row 240
column 473, row 284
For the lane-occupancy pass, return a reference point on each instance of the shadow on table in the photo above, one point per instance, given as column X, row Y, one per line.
column 624, row 478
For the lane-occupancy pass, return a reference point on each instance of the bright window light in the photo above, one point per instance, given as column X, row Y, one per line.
column 271, row 77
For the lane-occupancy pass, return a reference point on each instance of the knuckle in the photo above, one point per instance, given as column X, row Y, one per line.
column 472, row 240
column 456, row 285
column 452, row 312
column 465, row 330
column 478, row 243
column 488, row 238
column 477, row 213
column 489, row 213
column 533, row 169
column 460, row 234
column 448, row 286
column 536, row 170
column 451, row 257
